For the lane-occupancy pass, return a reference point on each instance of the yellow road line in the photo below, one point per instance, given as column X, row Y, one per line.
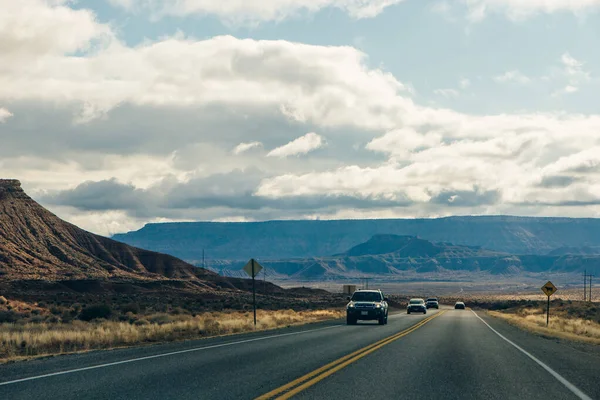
column 297, row 385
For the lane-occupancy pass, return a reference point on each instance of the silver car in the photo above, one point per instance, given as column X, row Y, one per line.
column 416, row 305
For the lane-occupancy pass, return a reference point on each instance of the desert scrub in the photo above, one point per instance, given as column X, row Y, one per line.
column 560, row 326
column 18, row 340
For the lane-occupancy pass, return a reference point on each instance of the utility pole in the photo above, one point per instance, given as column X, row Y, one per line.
column 203, row 265
column 584, row 285
column 590, row 275
column 366, row 283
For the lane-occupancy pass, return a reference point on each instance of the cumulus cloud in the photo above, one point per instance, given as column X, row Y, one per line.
column 519, row 9
column 447, row 93
column 244, row 147
column 512, row 76
column 146, row 148
column 4, row 114
column 504, row 157
column 237, row 11
column 402, row 142
column 302, row 145
column 182, row 72
column 30, row 28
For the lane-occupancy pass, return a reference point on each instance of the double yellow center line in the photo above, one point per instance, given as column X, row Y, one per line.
column 304, row 382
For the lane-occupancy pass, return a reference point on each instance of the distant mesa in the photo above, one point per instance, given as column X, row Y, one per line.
column 405, row 257
column 278, row 240
column 402, row 245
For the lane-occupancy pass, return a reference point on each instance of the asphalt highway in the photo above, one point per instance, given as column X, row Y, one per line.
column 446, row 354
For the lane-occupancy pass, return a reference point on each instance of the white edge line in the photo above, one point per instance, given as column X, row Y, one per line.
column 162, row 355
column 552, row 372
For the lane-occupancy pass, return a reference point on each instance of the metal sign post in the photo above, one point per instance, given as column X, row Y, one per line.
column 254, row 292
column 549, row 289
column 252, row 268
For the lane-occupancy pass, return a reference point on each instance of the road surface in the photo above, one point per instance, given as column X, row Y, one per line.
column 447, row 354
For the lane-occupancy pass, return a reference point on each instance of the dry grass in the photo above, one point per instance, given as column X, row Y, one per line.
column 34, row 339
column 560, row 326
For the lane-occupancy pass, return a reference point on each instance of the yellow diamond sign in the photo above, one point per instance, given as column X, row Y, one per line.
column 549, row 289
column 252, row 268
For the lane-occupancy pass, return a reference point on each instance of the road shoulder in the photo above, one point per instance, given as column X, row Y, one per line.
column 572, row 360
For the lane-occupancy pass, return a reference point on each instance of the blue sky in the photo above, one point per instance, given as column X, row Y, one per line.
column 120, row 112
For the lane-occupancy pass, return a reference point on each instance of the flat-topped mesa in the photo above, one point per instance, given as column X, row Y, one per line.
column 10, row 183
column 11, row 188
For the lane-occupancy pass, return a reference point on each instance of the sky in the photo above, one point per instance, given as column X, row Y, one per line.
column 117, row 113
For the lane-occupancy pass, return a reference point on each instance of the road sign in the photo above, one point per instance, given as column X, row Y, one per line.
column 549, row 289
column 252, row 269
column 248, row 268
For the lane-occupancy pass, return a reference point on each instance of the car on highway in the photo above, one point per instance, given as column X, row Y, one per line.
column 459, row 305
column 367, row 305
column 416, row 305
column 432, row 302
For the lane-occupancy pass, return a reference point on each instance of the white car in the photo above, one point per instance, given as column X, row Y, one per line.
column 459, row 305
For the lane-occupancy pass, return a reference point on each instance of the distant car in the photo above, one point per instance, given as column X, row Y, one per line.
column 416, row 305
column 432, row 302
column 459, row 305
column 367, row 305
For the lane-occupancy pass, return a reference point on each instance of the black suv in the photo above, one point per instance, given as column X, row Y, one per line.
column 367, row 305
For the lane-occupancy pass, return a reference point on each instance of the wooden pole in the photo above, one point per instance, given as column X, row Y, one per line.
column 584, row 285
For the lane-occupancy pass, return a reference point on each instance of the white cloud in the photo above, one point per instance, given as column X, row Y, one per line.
column 302, row 145
column 433, row 158
column 574, row 70
column 498, row 159
column 401, row 143
column 331, row 86
column 512, row 76
column 519, row 9
column 571, row 89
column 464, row 83
column 447, row 93
column 4, row 115
column 244, row 147
column 33, row 28
column 242, row 11
column 584, row 161
column 574, row 73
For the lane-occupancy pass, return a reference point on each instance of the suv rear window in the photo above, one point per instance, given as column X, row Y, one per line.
column 366, row 296
column 416, row 301
column 432, row 300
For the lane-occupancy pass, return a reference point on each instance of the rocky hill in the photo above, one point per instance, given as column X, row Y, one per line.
column 45, row 259
column 35, row 244
column 304, row 239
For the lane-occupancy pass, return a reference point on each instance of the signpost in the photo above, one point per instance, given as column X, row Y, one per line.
column 549, row 289
column 252, row 268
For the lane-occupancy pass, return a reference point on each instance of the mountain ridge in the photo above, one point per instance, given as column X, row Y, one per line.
column 322, row 238
column 393, row 257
